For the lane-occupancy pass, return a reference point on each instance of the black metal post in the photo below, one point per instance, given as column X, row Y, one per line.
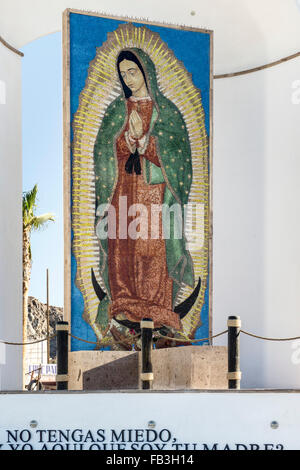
column 147, row 326
column 62, row 328
column 234, row 373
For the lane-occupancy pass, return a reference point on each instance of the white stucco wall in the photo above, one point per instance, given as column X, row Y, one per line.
column 11, row 219
column 256, row 195
column 256, row 227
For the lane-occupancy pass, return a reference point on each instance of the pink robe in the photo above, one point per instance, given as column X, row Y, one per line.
column 138, row 276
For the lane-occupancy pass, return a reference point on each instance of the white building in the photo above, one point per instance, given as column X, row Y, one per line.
column 256, row 166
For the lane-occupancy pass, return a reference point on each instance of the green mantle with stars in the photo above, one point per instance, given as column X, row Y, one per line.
column 173, row 148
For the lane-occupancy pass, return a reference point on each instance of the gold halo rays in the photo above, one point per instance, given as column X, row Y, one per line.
column 101, row 88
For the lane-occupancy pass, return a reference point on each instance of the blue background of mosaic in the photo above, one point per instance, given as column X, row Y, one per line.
column 190, row 47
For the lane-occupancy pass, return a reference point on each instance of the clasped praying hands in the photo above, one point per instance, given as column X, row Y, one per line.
column 135, row 132
column 135, row 125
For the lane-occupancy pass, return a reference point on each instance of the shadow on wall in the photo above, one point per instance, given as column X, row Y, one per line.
column 121, row 374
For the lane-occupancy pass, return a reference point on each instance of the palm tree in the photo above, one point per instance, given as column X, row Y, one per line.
column 31, row 221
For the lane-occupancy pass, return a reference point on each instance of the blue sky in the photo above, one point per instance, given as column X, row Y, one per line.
column 43, row 158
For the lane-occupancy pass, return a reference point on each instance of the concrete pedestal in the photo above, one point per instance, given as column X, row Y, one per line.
column 182, row 368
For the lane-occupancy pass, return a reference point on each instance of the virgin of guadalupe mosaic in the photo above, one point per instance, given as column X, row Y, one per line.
column 140, row 188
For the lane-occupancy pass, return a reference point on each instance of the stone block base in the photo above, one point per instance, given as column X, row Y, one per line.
column 182, row 368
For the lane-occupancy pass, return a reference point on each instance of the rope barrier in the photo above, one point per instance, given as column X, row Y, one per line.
column 224, row 75
column 34, row 370
column 104, row 343
column 28, row 344
column 10, row 343
column 11, row 48
column 187, row 340
column 269, row 339
column 135, row 337
column 257, row 69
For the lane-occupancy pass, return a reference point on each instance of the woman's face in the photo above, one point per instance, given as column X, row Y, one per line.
column 133, row 78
